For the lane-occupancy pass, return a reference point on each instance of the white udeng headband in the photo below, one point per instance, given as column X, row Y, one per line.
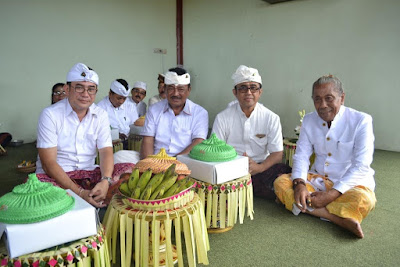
column 119, row 89
column 174, row 78
column 246, row 74
column 81, row 73
column 141, row 85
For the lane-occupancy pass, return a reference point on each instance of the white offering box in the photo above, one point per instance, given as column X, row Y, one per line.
column 80, row 222
column 216, row 172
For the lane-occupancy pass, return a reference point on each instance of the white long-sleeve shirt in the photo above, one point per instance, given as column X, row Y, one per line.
column 122, row 117
column 344, row 152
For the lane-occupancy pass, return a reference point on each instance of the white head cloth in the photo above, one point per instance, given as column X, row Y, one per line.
column 81, row 73
column 246, row 74
column 173, row 78
column 141, row 85
column 119, row 89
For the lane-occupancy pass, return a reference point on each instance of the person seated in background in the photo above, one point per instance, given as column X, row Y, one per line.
column 121, row 113
column 254, row 131
column 161, row 91
column 57, row 93
column 340, row 185
column 138, row 94
column 176, row 123
column 69, row 134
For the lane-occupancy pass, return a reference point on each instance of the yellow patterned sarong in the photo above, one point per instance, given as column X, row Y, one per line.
column 355, row 203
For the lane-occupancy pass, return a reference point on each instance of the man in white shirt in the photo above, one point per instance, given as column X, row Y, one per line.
column 138, row 94
column 69, row 134
column 121, row 113
column 161, row 91
column 254, row 131
column 340, row 185
column 176, row 123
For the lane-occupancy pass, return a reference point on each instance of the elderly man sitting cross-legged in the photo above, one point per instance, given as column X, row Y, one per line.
column 69, row 134
column 339, row 187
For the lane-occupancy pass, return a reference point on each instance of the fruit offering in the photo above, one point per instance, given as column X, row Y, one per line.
column 150, row 186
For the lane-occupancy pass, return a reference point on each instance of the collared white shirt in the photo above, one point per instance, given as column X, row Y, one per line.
column 76, row 141
column 344, row 152
column 258, row 136
column 122, row 117
column 141, row 107
column 175, row 133
column 154, row 99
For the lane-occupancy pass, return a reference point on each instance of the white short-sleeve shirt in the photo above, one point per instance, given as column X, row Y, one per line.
column 141, row 107
column 344, row 152
column 258, row 136
column 122, row 117
column 175, row 133
column 76, row 141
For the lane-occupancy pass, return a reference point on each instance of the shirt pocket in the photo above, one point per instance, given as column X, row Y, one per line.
column 259, row 144
column 345, row 151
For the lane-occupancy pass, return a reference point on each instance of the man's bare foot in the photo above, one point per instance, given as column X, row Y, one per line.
column 353, row 226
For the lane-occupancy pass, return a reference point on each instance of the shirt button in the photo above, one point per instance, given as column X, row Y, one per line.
column 324, row 124
column 326, row 163
column 328, row 138
column 329, row 154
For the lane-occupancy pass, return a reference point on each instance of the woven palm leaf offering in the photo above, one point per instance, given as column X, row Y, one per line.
column 158, row 182
column 213, row 150
column 34, row 201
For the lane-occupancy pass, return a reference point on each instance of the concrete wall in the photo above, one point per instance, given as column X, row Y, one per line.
column 292, row 44
column 42, row 40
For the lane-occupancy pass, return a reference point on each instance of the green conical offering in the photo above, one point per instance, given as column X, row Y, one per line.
column 213, row 150
column 34, row 201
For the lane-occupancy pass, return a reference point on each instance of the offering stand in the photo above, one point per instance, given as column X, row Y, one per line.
column 91, row 251
column 134, row 225
column 225, row 203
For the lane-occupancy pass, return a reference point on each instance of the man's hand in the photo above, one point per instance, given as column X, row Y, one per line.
column 98, row 194
column 122, row 136
column 321, row 199
column 300, row 195
column 254, row 167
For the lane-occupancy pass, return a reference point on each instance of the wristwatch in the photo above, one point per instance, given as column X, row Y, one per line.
column 109, row 180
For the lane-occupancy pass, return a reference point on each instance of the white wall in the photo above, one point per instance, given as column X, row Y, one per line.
column 42, row 40
column 292, row 44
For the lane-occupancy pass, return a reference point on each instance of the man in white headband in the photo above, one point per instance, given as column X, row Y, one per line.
column 138, row 94
column 340, row 184
column 175, row 123
column 254, row 131
column 161, row 91
column 121, row 113
column 70, row 132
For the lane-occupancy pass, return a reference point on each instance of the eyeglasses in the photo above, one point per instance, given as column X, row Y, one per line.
column 244, row 88
column 143, row 93
column 80, row 89
column 59, row 93
column 181, row 89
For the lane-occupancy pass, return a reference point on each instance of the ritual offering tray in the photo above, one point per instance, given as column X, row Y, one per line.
column 223, row 183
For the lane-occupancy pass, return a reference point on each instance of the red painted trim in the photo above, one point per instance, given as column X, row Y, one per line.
column 179, row 32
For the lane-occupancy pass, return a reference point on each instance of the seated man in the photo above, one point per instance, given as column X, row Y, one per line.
column 121, row 113
column 176, row 123
column 161, row 91
column 340, row 184
column 254, row 131
column 138, row 94
column 69, row 134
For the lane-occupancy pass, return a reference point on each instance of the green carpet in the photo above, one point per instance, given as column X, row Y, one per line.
column 277, row 238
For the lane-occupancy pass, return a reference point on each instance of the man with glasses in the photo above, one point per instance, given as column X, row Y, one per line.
column 121, row 113
column 69, row 134
column 138, row 94
column 57, row 93
column 254, row 131
column 176, row 123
